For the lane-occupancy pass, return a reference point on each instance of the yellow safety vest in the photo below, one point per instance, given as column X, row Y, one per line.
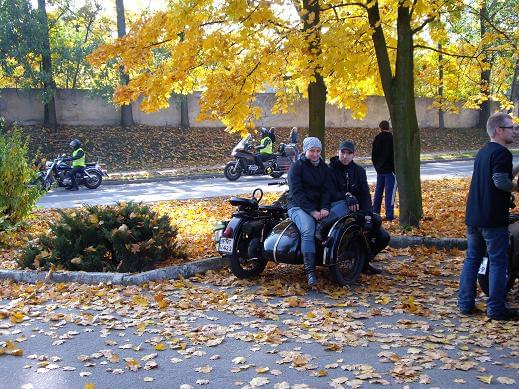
column 80, row 162
column 268, row 149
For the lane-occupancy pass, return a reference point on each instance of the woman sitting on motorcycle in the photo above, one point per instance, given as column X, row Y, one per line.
column 309, row 180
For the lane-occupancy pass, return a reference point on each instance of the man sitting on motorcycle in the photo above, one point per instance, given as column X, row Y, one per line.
column 265, row 149
column 349, row 183
column 78, row 163
column 309, row 182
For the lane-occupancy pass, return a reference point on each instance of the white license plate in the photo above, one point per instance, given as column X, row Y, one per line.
column 226, row 245
column 483, row 267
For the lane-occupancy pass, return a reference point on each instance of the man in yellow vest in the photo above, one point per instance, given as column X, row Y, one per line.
column 78, row 163
column 265, row 149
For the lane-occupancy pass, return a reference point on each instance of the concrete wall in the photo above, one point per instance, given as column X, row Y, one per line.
column 76, row 107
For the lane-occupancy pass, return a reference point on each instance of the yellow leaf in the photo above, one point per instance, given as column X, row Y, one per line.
column 93, row 219
column 160, row 347
column 487, row 379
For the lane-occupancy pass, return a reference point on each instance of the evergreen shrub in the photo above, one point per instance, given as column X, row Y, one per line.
column 128, row 237
column 17, row 197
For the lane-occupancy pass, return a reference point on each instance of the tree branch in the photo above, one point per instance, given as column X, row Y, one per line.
column 447, row 53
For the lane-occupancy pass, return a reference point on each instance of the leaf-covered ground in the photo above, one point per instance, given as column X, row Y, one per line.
column 443, row 203
column 147, row 148
column 400, row 328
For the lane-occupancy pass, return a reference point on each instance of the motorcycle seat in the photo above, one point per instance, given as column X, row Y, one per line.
column 90, row 164
column 272, row 208
column 240, row 201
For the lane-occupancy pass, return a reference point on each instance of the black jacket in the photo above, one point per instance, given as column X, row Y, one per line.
column 382, row 153
column 308, row 185
column 350, row 178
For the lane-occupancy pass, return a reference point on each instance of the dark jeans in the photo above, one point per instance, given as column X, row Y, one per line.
column 378, row 241
column 495, row 242
column 77, row 169
column 260, row 158
column 385, row 182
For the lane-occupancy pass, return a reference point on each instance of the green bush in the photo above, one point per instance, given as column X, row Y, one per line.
column 124, row 238
column 16, row 197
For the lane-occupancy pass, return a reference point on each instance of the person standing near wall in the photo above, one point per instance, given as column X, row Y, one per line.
column 383, row 161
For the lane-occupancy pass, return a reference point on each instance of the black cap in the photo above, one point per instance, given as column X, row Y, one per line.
column 348, row 145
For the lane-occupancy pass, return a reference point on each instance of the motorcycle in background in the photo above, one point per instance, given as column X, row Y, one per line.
column 245, row 164
column 57, row 171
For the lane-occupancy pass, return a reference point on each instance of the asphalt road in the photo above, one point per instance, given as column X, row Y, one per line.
column 211, row 187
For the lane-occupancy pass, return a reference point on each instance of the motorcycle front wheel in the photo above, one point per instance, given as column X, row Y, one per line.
column 93, row 181
column 243, row 262
column 232, row 171
column 484, row 279
column 350, row 254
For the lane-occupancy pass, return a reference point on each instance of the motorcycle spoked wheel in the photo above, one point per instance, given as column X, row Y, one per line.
column 231, row 171
column 484, row 280
column 350, row 257
column 246, row 261
column 94, row 181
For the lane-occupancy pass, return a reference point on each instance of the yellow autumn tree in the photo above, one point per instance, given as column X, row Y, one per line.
column 324, row 50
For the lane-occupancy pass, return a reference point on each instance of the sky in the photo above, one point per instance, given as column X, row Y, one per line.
column 129, row 5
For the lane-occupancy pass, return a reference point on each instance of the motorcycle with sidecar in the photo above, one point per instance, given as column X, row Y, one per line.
column 259, row 233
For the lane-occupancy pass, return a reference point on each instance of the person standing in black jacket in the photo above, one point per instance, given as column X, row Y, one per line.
column 383, row 161
column 349, row 183
column 309, row 199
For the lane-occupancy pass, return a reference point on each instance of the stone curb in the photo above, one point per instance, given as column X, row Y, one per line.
column 442, row 243
column 189, row 269
column 80, row 277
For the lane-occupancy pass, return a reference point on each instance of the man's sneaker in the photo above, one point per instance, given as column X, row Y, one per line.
column 509, row 314
column 472, row 311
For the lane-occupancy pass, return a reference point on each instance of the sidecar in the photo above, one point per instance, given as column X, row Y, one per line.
column 345, row 252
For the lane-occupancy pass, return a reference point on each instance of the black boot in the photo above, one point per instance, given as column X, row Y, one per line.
column 368, row 269
column 309, row 263
column 323, row 226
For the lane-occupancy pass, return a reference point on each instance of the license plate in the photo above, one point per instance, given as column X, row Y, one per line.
column 483, row 267
column 226, row 245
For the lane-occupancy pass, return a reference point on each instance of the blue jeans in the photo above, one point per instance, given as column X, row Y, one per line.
column 387, row 182
column 306, row 223
column 495, row 241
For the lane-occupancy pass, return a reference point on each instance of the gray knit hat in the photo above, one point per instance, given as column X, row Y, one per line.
column 310, row 142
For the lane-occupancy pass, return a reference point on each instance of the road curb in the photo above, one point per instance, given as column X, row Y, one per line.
column 171, row 272
column 189, row 269
column 442, row 243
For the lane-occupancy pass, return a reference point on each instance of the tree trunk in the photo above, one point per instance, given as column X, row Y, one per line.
column 126, row 110
column 484, row 82
column 49, row 86
column 514, row 90
column 316, row 89
column 441, row 116
column 399, row 94
column 184, row 113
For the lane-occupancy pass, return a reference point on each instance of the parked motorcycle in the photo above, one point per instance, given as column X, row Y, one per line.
column 57, row 171
column 513, row 258
column 244, row 163
column 258, row 233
